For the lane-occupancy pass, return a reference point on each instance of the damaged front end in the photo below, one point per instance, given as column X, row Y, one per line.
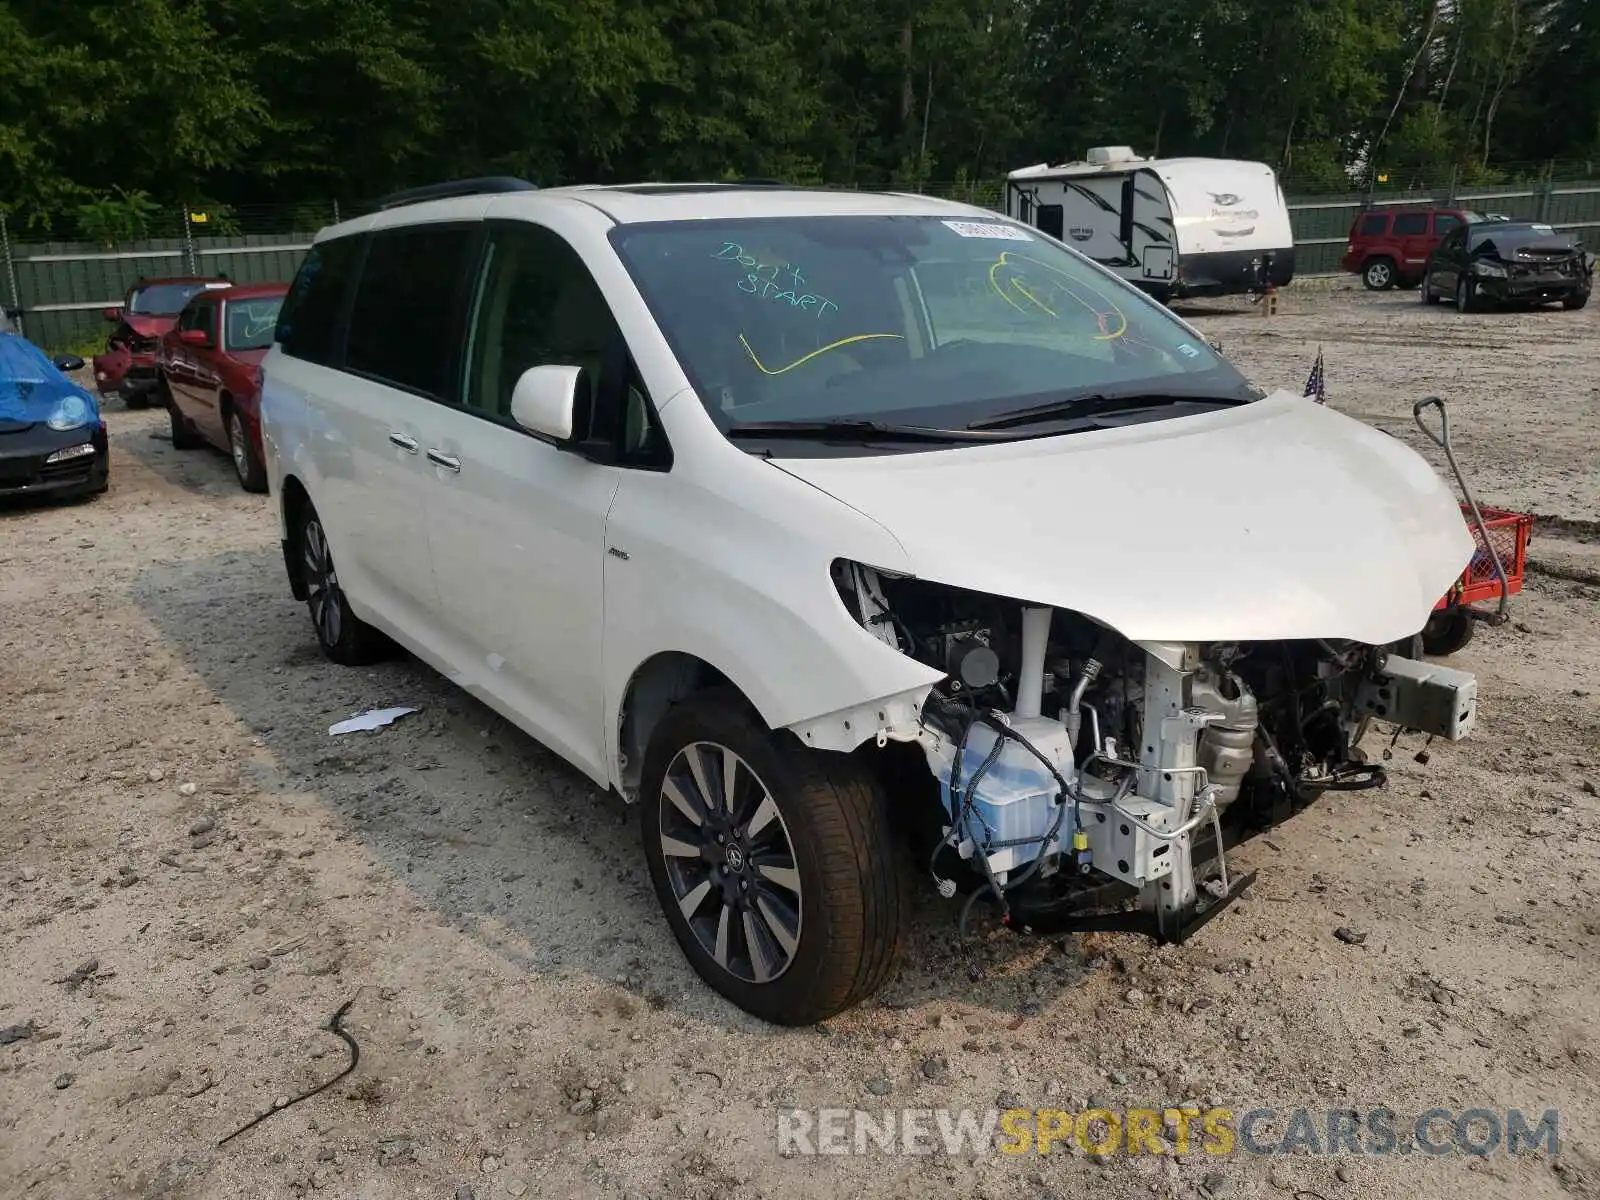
column 1080, row 780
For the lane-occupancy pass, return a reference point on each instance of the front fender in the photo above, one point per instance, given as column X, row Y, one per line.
column 733, row 568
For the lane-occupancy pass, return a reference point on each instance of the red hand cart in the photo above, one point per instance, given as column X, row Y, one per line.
column 1499, row 557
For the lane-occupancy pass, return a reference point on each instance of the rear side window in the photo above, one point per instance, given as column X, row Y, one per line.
column 404, row 326
column 308, row 321
column 1410, row 224
column 1374, row 225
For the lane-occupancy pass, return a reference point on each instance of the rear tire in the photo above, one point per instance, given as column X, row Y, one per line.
column 344, row 637
column 184, row 436
column 1378, row 275
column 801, row 919
column 1447, row 631
column 246, row 462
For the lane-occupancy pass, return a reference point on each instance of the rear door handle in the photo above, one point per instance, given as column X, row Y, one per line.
column 408, row 444
column 445, row 461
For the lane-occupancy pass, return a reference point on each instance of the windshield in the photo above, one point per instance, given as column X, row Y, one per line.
column 251, row 322
column 162, row 299
column 1517, row 235
column 904, row 318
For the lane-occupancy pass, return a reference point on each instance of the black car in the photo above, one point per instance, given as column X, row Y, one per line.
column 1508, row 262
column 52, row 437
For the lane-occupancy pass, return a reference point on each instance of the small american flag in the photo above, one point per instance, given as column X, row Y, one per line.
column 1315, row 387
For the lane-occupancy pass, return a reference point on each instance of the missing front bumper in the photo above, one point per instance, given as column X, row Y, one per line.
column 1167, row 928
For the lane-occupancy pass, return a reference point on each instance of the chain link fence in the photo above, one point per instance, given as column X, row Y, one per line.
column 60, row 278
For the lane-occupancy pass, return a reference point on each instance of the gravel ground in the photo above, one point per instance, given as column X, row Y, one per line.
column 194, row 877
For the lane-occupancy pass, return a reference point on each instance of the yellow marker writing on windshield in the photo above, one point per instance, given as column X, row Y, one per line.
column 1063, row 283
column 821, row 350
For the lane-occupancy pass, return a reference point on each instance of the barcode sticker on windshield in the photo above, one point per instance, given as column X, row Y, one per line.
column 983, row 229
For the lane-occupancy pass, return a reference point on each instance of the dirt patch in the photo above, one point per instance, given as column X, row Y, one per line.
column 173, row 811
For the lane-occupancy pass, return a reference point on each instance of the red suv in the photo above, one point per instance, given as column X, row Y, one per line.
column 1389, row 247
column 128, row 364
column 210, row 373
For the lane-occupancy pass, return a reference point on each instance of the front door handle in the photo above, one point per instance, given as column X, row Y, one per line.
column 445, row 461
column 408, row 444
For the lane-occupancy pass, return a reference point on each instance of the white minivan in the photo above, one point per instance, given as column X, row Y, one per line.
column 826, row 526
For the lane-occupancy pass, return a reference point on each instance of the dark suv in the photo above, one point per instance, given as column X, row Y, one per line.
column 1389, row 247
column 1509, row 262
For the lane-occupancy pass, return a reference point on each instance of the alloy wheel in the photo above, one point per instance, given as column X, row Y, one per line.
column 236, row 444
column 730, row 862
column 1379, row 276
column 322, row 584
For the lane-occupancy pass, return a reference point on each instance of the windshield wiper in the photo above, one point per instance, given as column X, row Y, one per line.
column 856, row 429
column 1095, row 404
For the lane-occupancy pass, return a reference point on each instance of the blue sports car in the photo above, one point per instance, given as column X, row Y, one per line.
column 52, row 437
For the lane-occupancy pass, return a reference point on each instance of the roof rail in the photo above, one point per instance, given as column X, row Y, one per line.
column 485, row 185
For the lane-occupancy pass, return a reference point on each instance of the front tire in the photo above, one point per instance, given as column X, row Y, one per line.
column 1466, row 296
column 1428, row 295
column 1575, row 301
column 344, row 637
column 788, row 900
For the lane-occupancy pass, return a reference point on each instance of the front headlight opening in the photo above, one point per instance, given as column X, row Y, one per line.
column 71, row 413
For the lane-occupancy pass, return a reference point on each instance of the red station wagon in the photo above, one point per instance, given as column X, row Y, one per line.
column 209, row 373
column 1389, row 247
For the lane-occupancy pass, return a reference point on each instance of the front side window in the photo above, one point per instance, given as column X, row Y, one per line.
column 250, row 322
column 535, row 303
column 953, row 320
column 403, row 327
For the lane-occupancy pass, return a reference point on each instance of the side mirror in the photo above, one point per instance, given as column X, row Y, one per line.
column 68, row 362
column 111, row 314
column 545, row 401
column 194, row 337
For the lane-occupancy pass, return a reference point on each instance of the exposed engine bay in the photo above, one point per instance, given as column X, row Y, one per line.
column 1077, row 770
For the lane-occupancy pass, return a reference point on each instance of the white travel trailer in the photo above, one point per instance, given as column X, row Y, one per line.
column 1172, row 226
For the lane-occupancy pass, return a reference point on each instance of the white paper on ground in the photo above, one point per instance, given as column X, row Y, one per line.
column 372, row 719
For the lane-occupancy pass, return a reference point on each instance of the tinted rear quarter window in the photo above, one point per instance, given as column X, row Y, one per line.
column 404, row 325
column 309, row 319
column 1410, row 224
column 1374, row 225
